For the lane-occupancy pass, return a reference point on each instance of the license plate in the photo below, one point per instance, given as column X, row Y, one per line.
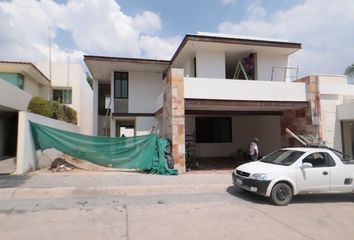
column 239, row 181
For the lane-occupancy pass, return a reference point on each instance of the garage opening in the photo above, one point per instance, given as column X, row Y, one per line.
column 8, row 141
column 222, row 142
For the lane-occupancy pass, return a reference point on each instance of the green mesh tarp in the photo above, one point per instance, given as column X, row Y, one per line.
column 142, row 152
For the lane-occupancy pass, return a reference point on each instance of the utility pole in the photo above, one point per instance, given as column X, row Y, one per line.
column 50, row 55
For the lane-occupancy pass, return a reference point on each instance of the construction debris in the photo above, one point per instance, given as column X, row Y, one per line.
column 61, row 165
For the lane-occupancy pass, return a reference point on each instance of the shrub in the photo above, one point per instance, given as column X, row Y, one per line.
column 55, row 106
column 40, row 106
column 67, row 114
column 53, row 110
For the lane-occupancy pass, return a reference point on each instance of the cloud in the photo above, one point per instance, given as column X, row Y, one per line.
column 98, row 27
column 147, row 22
column 325, row 30
column 159, row 48
column 227, row 2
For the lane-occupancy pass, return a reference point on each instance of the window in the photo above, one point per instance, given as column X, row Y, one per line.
column 104, row 98
column 121, row 85
column 15, row 79
column 62, row 96
column 320, row 159
column 213, row 129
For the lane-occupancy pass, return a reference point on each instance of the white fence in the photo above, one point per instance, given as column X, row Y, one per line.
column 26, row 154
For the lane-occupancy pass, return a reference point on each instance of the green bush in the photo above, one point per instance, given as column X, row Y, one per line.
column 55, row 106
column 40, row 106
column 67, row 114
column 53, row 110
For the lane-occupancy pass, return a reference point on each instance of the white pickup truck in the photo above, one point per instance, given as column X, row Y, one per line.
column 292, row 171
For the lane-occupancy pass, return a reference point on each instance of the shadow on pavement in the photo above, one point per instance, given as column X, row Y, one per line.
column 247, row 196
column 323, row 198
column 310, row 198
column 11, row 181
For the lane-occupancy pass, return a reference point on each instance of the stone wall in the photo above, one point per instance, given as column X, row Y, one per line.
column 173, row 115
column 304, row 121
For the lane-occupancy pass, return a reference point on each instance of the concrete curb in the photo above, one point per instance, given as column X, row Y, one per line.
column 62, row 192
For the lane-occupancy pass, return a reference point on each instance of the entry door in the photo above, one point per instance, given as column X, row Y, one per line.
column 315, row 179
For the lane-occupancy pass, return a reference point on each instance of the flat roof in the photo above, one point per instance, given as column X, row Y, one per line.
column 203, row 37
column 28, row 64
column 101, row 67
column 234, row 39
column 127, row 60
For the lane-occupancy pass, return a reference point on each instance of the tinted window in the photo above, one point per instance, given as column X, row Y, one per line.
column 282, row 157
column 320, row 159
column 213, row 129
column 121, row 85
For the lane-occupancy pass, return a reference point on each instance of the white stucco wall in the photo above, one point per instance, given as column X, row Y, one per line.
column 244, row 129
column 204, row 88
column 210, row 64
column 95, row 108
column 71, row 75
column 144, row 90
column 143, row 125
column 334, row 92
column 13, row 97
column 265, row 63
column 328, row 115
column 31, row 86
column 26, row 153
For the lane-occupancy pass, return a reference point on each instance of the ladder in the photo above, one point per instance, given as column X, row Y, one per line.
column 240, row 69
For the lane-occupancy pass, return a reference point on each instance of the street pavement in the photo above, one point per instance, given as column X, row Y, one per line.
column 120, row 205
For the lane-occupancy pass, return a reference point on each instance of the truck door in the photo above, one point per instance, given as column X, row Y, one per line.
column 315, row 179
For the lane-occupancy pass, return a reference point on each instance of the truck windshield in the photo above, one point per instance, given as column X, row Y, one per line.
column 282, row 157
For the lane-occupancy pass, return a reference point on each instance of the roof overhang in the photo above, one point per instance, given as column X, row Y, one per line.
column 26, row 69
column 101, row 67
column 191, row 43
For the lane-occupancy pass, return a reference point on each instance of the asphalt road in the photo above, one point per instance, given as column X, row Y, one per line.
column 139, row 206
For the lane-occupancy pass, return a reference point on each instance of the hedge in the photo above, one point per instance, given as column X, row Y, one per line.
column 52, row 109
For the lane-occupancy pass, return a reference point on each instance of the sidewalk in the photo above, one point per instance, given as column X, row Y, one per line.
column 59, row 185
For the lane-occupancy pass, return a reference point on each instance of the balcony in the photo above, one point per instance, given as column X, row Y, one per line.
column 242, row 90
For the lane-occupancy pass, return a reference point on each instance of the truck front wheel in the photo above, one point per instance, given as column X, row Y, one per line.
column 281, row 194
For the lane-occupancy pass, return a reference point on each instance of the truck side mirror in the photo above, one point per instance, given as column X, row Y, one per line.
column 306, row 165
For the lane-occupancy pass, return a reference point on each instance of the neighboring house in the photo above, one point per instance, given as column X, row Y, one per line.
column 217, row 93
column 19, row 82
column 70, row 87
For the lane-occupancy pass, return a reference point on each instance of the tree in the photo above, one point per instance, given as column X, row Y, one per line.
column 349, row 70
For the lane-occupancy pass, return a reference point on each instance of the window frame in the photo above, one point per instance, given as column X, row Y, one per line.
column 120, row 81
column 62, row 95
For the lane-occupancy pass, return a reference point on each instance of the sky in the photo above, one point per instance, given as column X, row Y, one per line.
column 154, row 28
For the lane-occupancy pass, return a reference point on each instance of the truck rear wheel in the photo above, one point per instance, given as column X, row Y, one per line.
column 281, row 194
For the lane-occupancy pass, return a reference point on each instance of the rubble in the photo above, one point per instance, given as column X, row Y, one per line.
column 61, row 165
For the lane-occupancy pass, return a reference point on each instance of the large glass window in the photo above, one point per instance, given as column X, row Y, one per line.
column 62, row 96
column 213, row 129
column 121, row 85
column 15, row 79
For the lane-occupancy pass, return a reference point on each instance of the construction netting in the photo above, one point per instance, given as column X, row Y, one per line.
column 145, row 153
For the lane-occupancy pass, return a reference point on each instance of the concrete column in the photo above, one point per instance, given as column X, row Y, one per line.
column 173, row 116
column 305, row 121
column 95, row 108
